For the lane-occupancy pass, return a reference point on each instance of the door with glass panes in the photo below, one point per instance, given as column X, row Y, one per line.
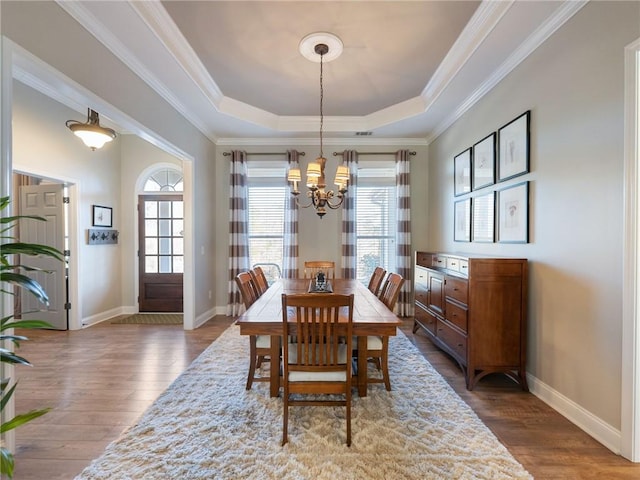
column 161, row 252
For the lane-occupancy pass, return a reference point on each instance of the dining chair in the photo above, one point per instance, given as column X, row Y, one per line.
column 318, row 362
column 312, row 268
column 376, row 280
column 259, row 345
column 259, row 280
column 378, row 347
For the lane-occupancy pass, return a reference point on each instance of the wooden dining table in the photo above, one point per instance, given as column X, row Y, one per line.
column 370, row 317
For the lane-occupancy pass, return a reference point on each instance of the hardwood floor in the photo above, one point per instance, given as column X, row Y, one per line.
column 99, row 380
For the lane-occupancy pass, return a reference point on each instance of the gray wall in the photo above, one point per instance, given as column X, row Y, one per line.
column 573, row 85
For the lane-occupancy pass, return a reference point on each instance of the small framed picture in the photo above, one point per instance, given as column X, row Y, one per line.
column 513, row 148
column 484, row 162
column 462, row 221
column 102, row 216
column 483, row 229
column 462, row 173
column 513, row 214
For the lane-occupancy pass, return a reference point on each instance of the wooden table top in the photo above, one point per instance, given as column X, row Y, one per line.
column 370, row 315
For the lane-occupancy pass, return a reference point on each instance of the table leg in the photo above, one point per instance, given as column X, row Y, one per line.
column 362, row 365
column 274, row 373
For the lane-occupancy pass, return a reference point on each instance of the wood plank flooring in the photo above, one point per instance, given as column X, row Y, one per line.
column 99, row 381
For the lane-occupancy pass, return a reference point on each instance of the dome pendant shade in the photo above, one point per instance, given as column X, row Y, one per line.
column 91, row 133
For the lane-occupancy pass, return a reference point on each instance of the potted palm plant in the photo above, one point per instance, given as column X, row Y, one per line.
column 13, row 277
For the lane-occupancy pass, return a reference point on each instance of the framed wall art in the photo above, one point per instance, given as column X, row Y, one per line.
column 513, row 214
column 462, row 221
column 462, row 173
column 483, row 228
column 483, row 172
column 102, row 216
column 513, row 147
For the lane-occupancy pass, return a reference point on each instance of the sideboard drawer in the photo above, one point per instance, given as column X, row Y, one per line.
column 454, row 339
column 456, row 315
column 456, row 288
column 426, row 319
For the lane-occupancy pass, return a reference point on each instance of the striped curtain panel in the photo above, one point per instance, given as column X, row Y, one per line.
column 238, row 228
column 290, row 240
column 403, row 235
column 349, row 261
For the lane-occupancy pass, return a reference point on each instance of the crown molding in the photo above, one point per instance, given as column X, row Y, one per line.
column 96, row 28
column 479, row 27
column 567, row 10
column 340, row 141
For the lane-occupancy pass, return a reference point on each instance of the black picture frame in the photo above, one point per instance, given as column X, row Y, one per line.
column 514, row 147
column 102, row 216
column 513, row 213
column 483, row 228
column 462, row 173
column 462, row 220
column 483, row 173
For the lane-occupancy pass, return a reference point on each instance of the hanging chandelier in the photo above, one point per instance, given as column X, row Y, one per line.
column 314, row 46
column 91, row 133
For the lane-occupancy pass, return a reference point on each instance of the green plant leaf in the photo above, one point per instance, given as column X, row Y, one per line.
column 25, row 324
column 27, row 283
column 21, row 419
column 5, row 398
column 8, row 356
column 32, row 249
column 6, row 462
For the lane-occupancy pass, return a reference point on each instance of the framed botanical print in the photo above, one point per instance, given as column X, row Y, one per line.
column 483, row 172
column 101, row 216
column 513, row 148
column 462, row 173
column 483, row 228
column 513, row 214
column 462, row 220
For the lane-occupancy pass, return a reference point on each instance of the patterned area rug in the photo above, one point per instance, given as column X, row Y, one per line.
column 206, row 426
column 152, row 319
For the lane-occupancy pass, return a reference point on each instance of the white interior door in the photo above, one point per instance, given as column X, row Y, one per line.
column 45, row 201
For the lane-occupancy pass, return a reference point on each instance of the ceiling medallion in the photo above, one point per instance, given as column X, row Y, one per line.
column 308, row 44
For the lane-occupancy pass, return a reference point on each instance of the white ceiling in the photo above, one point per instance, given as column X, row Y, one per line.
column 408, row 70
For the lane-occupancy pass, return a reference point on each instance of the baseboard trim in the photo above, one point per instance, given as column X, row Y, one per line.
column 107, row 315
column 594, row 426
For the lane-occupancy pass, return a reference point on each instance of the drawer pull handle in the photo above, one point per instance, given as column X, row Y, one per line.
column 459, row 344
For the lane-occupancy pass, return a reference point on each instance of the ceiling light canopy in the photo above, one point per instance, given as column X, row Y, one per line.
column 92, row 134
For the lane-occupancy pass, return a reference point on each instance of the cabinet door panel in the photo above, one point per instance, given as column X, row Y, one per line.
column 436, row 292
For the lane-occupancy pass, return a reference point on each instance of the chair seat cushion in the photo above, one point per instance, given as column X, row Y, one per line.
column 263, row 341
column 317, row 376
column 373, row 343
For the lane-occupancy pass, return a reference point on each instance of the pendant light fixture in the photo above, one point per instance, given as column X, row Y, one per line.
column 92, row 134
column 320, row 47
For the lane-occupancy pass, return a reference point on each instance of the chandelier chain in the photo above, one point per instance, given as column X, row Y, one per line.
column 321, row 98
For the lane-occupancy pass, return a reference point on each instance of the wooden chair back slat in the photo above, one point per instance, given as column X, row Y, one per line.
column 391, row 290
column 311, row 268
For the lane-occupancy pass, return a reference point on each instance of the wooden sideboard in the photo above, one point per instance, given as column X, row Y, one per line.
column 475, row 309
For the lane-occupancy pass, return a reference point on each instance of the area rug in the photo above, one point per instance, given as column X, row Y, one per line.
column 152, row 319
column 207, row 426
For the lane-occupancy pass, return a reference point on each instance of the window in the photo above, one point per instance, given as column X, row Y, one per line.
column 164, row 180
column 376, row 218
column 267, row 193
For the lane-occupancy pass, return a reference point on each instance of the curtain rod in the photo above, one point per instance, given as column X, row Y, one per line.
column 335, row 154
column 226, row 154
